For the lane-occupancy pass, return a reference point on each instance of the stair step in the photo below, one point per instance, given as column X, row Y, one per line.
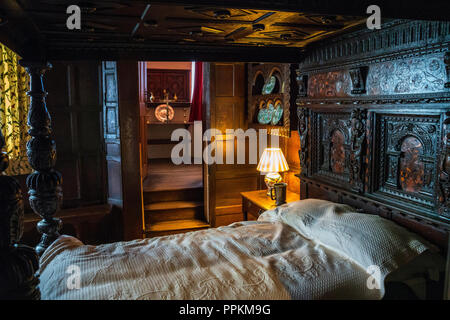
column 174, row 227
column 173, row 210
column 169, row 205
column 161, row 141
column 190, row 194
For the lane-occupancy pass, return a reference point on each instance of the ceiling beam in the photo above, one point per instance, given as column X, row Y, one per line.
column 149, row 50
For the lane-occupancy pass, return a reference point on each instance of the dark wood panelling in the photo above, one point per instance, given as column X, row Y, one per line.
column 76, row 108
column 224, row 80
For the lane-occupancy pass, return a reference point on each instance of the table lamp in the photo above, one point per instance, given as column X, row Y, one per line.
column 272, row 162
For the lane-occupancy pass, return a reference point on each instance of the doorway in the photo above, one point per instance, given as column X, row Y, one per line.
column 173, row 194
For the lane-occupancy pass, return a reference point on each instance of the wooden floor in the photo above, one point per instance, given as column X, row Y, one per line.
column 164, row 175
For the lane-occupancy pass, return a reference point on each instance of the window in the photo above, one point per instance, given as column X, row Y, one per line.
column 14, row 103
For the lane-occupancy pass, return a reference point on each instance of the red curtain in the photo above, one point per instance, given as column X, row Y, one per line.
column 196, row 105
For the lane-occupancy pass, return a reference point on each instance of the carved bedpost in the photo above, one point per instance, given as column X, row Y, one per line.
column 44, row 184
column 18, row 263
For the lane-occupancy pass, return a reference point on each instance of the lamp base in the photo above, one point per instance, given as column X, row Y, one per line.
column 270, row 179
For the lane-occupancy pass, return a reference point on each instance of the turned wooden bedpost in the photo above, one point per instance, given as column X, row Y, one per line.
column 18, row 263
column 44, row 184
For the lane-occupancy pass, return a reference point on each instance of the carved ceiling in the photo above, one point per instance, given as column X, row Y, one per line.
column 142, row 22
column 245, row 30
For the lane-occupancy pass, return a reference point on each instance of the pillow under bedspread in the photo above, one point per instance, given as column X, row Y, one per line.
column 369, row 240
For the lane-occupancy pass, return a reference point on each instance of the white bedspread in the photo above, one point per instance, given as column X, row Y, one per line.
column 245, row 260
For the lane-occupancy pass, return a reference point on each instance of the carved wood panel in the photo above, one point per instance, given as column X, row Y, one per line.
column 174, row 81
column 407, row 156
column 331, row 143
column 330, row 84
column 337, row 144
column 424, row 74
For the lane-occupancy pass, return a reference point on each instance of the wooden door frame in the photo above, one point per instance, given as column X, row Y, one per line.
column 129, row 119
column 209, row 185
column 142, row 73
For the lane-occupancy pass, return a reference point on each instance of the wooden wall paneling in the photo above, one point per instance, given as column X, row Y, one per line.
column 129, row 117
column 226, row 101
column 76, row 110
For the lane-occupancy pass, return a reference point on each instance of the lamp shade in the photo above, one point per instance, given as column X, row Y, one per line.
column 272, row 160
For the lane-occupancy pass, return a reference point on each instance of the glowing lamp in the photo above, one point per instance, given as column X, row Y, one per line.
column 272, row 162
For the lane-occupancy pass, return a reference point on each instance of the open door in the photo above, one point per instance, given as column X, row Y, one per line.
column 224, row 108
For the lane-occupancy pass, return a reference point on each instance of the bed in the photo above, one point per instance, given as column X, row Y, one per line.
column 310, row 249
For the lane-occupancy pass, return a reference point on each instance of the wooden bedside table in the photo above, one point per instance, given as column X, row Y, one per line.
column 256, row 202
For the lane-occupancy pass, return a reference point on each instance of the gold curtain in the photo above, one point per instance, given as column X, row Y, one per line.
column 14, row 103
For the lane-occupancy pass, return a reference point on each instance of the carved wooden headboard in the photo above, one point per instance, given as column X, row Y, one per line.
column 374, row 124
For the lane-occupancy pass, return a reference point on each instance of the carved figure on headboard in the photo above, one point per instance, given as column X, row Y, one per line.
column 302, row 81
column 357, row 75
column 357, row 123
column 303, row 114
column 19, row 263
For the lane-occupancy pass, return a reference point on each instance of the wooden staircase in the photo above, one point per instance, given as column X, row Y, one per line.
column 173, row 200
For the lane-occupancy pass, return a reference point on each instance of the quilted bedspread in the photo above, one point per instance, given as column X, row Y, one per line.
column 245, row 260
